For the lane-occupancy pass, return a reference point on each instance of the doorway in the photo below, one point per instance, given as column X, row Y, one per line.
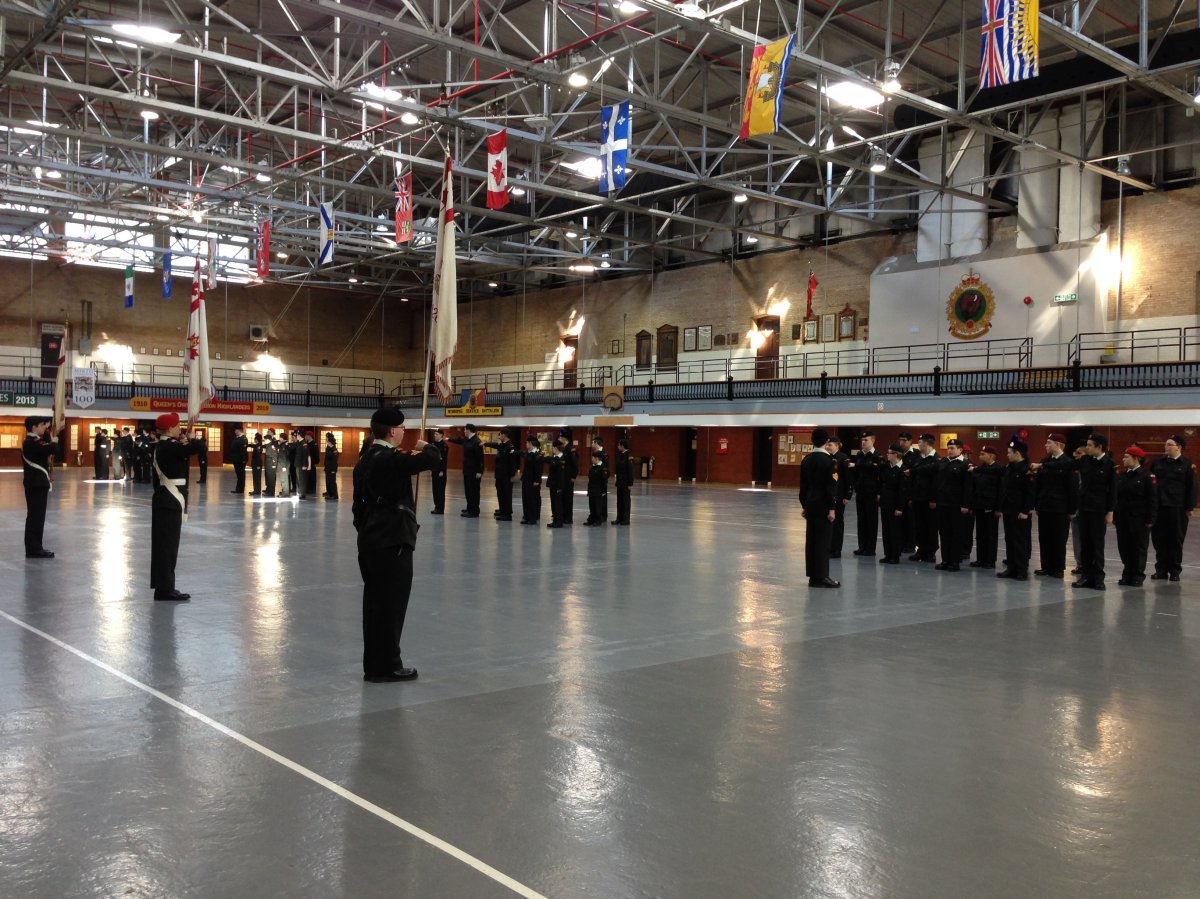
column 570, row 359
column 766, row 364
column 761, row 465
column 687, row 453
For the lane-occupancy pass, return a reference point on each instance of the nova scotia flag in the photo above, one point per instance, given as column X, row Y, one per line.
column 616, row 127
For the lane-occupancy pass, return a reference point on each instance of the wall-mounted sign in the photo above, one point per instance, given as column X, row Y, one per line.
column 7, row 398
column 215, row 407
column 1064, row 298
column 988, row 435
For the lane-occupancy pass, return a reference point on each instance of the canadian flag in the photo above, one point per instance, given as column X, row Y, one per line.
column 497, row 170
column 262, row 258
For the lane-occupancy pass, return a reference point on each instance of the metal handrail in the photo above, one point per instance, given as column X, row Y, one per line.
column 1149, row 341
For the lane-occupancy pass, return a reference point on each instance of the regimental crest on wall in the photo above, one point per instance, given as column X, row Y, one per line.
column 970, row 308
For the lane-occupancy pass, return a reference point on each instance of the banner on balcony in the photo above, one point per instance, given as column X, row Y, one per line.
column 83, row 387
column 212, row 407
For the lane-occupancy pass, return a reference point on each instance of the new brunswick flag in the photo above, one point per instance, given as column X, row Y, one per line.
column 764, row 92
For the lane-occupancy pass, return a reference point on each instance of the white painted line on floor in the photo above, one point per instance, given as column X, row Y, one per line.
column 453, row 851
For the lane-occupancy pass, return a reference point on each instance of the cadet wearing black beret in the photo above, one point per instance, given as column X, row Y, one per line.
column 35, row 457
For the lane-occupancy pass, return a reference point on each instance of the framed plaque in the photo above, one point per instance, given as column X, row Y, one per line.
column 828, row 324
column 689, row 340
column 704, row 337
column 847, row 324
column 810, row 330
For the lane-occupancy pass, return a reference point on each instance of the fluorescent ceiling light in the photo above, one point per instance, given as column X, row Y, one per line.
column 52, row 173
column 404, row 299
column 571, row 235
column 42, row 124
column 232, row 169
column 147, row 33
column 854, row 94
column 353, row 280
column 584, row 268
column 382, row 93
column 281, row 256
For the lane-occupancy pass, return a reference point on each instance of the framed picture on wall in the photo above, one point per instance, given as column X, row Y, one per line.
column 810, row 334
column 615, row 348
column 704, row 337
column 828, row 326
column 847, row 324
column 689, row 340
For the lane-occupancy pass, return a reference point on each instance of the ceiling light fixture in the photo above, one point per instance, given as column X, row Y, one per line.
column 409, row 117
column 577, row 79
column 878, row 160
column 52, row 173
column 492, row 284
column 149, row 115
column 147, row 33
column 740, row 197
column 629, row 8
column 585, row 268
column 891, row 76
column 854, row 94
column 516, row 191
column 571, row 235
column 353, row 280
column 606, row 264
column 281, row 256
column 262, row 177
column 1123, row 166
column 751, row 239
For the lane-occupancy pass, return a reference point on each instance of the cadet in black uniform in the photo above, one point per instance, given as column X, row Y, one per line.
column 168, row 506
column 1097, row 498
column 100, row 452
column 818, row 507
column 846, row 491
column 35, row 458
column 507, row 471
column 237, row 455
column 1137, row 505
column 531, row 481
column 952, row 502
column 893, row 504
column 624, row 469
column 439, row 472
column 570, row 473
column 597, row 491
column 1057, row 503
column 1018, row 497
column 555, row 476
column 256, row 465
column 864, row 472
column 270, row 461
column 1176, row 478
column 985, row 500
column 472, row 469
column 331, row 467
column 202, row 459
column 922, row 476
column 386, row 520
column 908, row 461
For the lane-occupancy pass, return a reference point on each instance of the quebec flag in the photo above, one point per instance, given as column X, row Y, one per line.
column 616, row 126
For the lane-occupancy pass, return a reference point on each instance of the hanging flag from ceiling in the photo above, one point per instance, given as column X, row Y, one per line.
column 166, row 276
column 497, row 170
column 1008, row 46
column 327, row 232
column 60, row 380
column 812, row 290
column 616, row 128
column 444, row 341
column 262, row 255
column 197, row 369
column 129, row 286
column 212, row 265
column 764, row 91
column 404, row 210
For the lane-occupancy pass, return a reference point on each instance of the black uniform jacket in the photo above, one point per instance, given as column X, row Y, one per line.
column 867, row 468
column 952, row 483
column 598, row 479
column 1018, row 488
column 38, row 452
column 237, row 450
column 1137, row 497
column 894, row 488
column 1176, row 482
column 1057, row 486
column 331, row 457
column 819, row 477
column 531, row 472
column 923, row 474
column 985, row 487
column 472, row 453
column 506, row 459
column 383, row 497
column 1097, row 484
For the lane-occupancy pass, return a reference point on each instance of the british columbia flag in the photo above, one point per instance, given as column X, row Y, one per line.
column 1008, row 48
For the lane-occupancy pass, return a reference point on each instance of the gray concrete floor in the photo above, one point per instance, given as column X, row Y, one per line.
column 662, row 710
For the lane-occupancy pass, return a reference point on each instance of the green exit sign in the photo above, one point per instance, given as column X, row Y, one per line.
column 1066, row 298
column 17, row 399
column 988, row 435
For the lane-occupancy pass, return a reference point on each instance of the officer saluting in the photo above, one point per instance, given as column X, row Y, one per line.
column 35, row 457
column 1176, row 477
column 168, row 506
column 1137, row 504
column 819, row 496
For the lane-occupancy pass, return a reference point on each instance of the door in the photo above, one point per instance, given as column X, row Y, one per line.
column 687, row 450
column 570, row 360
column 761, row 466
column 668, row 347
column 767, row 355
column 51, row 347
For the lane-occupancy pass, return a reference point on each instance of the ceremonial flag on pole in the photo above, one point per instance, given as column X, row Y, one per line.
column 764, row 91
column 497, row 170
column 166, row 276
column 262, row 256
column 812, row 289
column 444, row 340
column 212, row 265
column 404, row 212
column 616, row 128
column 197, row 370
column 326, row 234
column 129, row 287
column 1008, row 46
column 60, row 381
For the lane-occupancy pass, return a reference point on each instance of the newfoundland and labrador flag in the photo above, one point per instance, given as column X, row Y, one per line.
column 129, row 287
column 764, row 91
column 1008, row 47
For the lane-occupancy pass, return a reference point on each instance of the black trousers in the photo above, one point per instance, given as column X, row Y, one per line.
column 270, row 473
column 1018, row 543
column 331, row 484
column 1053, row 529
column 204, row 472
column 1091, row 540
column 910, row 529
column 35, row 517
column 239, row 469
column 387, row 581
column 868, row 522
column 531, row 502
column 471, row 488
column 504, row 496
column 166, row 521
column 597, row 508
column 950, row 524
column 256, row 479
column 310, row 482
column 893, row 532
column 556, row 506
column 439, row 491
column 568, row 503
column 927, row 530
column 967, row 541
column 838, row 532
column 101, row 466
column 987, row 534
column 1170, row 528
column 1133, row 541
column 622, row 504
column 818, row 532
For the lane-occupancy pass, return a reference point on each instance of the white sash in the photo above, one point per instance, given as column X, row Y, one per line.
column 49, row 482
column 171, row 488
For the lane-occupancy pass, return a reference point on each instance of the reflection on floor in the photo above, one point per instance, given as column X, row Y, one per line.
column 660, row 710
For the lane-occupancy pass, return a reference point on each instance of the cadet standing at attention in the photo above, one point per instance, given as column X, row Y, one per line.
column 507, row 471
column 846, row 489
column 597, row 491
column 438, row 476
column 35, row 457
column 818, row 507
column 624, row 481
column 1176, row 477
column 168, row 506
column 1137, row 504
column 472, row 469
column 531, row 482
column 1018, row 497
column 865, row 470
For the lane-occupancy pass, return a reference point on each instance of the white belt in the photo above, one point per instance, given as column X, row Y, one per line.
column 178, row 482
column 172, row 485
column 49, row 482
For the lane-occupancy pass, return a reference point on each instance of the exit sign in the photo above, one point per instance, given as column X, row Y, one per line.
column 1066, row 298
column 988, row 435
